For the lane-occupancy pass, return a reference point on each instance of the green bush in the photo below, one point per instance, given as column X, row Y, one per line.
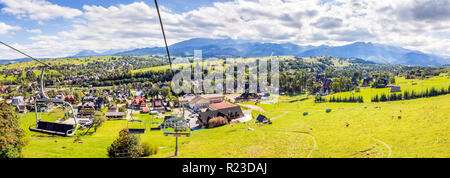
column 328, row 110
column 149, row 149
column 126, row 146
column 305, row 113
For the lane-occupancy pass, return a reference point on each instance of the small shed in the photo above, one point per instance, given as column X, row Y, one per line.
column 263, row 119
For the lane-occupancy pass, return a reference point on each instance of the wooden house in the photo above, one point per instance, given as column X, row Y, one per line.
column 225, row 110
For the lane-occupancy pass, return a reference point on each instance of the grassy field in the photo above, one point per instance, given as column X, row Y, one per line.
column 438, row 82
column 422, row 131
column 407, row 128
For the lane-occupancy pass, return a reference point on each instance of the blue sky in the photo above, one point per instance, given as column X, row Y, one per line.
column 58, row 28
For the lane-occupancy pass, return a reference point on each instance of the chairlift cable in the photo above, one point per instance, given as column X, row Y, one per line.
column 38, row 128
column 45, row 64
column 48, row 65
column 164, row 35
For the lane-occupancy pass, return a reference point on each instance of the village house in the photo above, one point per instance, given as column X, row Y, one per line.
column 138, row 102
column 71, row 99
column 213, row 98
column 113, row 112
column 97, row 102
column 3, row 91
column 86, row 110
column 112, row 107
column 198, row 102
column 158, row 105
column 21, row 108
column 17, row 100
column 223, row 109
column 185, row 99
column 247, row 97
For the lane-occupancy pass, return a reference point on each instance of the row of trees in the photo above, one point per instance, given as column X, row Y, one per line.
column 410, row 95
column 351, row 99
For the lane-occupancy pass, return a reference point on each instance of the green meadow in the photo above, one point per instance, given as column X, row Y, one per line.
column 407, row 128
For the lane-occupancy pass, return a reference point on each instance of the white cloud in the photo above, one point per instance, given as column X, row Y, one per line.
column 311, row 22
column 37, row 31
column 5, row 28
column 38, row 9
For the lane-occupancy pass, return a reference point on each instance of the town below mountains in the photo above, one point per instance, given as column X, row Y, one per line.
column 379, row 53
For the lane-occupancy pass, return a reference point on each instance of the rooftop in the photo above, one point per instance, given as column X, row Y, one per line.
column 221, row 105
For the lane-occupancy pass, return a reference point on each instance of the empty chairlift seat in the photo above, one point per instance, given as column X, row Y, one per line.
column 53, row 128
column 136, row 126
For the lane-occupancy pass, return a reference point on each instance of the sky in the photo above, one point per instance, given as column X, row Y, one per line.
column 59, row 28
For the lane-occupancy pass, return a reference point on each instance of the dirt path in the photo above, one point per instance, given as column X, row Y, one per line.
column 284, row 114
column 360, row 152
column 365, row 151
column 386, row 145
column 257, row 108
column 253, row 107
column 314, row 140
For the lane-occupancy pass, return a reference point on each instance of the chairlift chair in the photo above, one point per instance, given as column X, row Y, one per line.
column 136, row 130
column 176, row 126
column 155, row 123
column 53, row 128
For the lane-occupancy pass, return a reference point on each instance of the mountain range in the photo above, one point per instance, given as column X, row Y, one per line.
column 240, row 48
column 374, row 52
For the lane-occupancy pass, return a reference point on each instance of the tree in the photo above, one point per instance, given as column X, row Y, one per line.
column 154, row 91
column 98, row 120
column 126, row 146
column 392, row 79
column 165, row 92
column 11, row 135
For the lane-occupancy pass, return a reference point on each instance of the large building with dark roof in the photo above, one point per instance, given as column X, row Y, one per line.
column 223, row 109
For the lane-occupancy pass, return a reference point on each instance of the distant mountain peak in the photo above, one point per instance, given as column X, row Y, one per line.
column 227, row 47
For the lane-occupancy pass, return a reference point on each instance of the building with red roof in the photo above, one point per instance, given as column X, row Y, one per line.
column 139, row 102
column 221, row 105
